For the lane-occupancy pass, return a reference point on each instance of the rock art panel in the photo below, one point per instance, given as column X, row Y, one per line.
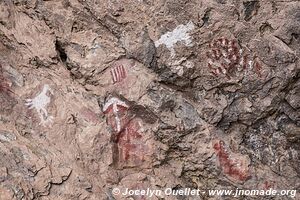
column 40, row 103
column 130, row 149
column 170, row 96
column 234, row 166
column 226, row 57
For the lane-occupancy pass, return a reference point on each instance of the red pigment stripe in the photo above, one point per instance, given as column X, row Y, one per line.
column 113, row 75
column 123, row 72
column 116, row 74
column 119, row 73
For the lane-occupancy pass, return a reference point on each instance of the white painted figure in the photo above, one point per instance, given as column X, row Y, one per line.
column 180, row 33
column 39, row 103
column 115, row 102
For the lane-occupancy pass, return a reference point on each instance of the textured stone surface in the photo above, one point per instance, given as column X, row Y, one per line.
column 98, row 94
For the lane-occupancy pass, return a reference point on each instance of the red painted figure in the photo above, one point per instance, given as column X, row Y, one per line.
column 130, row 148
column 233, row 166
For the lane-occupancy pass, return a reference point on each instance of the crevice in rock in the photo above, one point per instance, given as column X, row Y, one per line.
column 61, row 51
column 251, row 8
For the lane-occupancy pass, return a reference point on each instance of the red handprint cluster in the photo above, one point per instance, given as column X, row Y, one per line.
column 226, row 57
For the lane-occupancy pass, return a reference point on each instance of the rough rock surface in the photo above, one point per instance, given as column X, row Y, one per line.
column 98, row 94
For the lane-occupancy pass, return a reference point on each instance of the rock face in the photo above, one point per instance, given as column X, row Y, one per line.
column 137, row 94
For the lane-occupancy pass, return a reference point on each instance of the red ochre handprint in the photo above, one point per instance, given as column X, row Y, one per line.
column 232, row 165
column 226, row 57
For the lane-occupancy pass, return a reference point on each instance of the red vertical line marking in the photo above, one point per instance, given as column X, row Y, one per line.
column 113, row 76
column 124, row 71
column 119, row 73
column 115, row 73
